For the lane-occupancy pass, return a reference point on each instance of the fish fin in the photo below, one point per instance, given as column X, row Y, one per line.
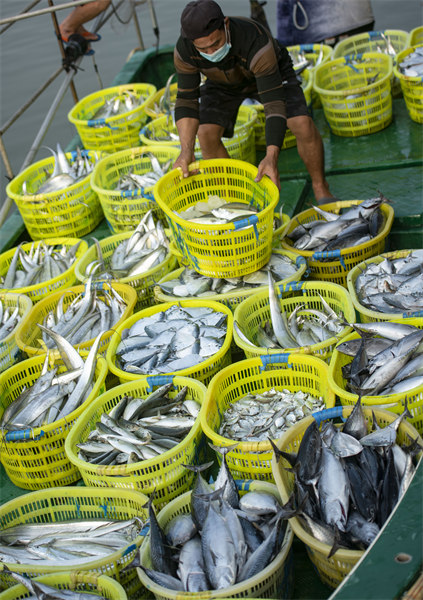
column 336, row 543
column 223, row 450
column 215, row 495
column 414, row 448
column 199, row 468
column 291, row 458
column 135, row 562
column 407, row 413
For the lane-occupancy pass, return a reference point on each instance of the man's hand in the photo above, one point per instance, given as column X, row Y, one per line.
column 183, row 160
column 269, row 166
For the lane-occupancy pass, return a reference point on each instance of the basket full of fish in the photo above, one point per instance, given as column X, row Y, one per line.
column 389, row 286
column 111, row 119
column 124, row 183
column 383, row 363
column 39, row 268
column 221, row 219
column 240, row 146
column 54, row 195
column 299, row 318
column 138, row 258
column 13, row 310
column 77, row 314
column 336, row 237
column 229, row 542
column 72, row 585
column 140, row 435
column 305, row 59
column 190, row 338
column 355, row 92
column 255, row 400
column 162, row 103
column 38, row 407
column 348, row 479
column 93, row 532
column 409, row 70
column 187, row 283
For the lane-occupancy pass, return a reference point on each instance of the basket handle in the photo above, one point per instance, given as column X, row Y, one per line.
column 328, row 413
column 417, row 313
column 291, row 285
column 101, row 122
column 153, row 380
column 330, row 254
column 137, row 192
column 267, row 359
column 253, row 220
column 25, row 434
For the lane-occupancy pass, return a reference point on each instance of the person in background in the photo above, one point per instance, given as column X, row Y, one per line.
column 74, row 22
column 316, row 21
column 240, row 59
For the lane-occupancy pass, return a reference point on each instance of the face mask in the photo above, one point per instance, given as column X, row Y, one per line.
column 220, row 53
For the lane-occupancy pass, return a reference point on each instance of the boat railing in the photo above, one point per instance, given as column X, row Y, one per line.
column 67, row 72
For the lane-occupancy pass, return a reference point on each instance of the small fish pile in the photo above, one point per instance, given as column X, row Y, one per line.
column 216, row 211
column 9, row 320
column 352, row 227
column 412, row 65
column 393, row 285
column 348, row 480
column 134, row 181
column 118, row 105
column 171, row 340
column 166, row 104
column 386, row 48
column 138, row 429
column 89, row 313
column 71, row 542
column 53, row 395
column 224, row 539
column 190, row 283
column 147, row 247
column 256, row 417
column 64, row 173
column 38, row 264
column 391, row 363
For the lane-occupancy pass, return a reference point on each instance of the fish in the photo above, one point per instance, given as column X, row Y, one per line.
column 9, row 319
column 118, row 104
column 217, row 211
column 133, row 180
column 412, row 64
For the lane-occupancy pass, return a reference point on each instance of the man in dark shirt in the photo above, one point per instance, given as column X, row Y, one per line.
column 240, row 59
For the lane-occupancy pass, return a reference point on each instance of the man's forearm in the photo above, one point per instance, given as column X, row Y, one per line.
column 187, row 129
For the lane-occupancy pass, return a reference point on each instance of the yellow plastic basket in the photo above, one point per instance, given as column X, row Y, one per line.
column 344, row 260
column 272, row 582
column 331, row 570
column 9, row 351
column 165, row 473
column 366, row 314
column 412, row 88
column 123, row 210
column 71, row 212
column 352, row 106
column 112, row 133
column 240, row 146
column 393, row 402
column 415, row 37
column 77, row 581
column 75, row 502
column 152, row 105
column 143, row 284
column 204, row 371
column 41, row 290
column 35, row 458
column 255, row 311
column 228, row 250
column 232, row 299
column 28, row 332
column 286, row 371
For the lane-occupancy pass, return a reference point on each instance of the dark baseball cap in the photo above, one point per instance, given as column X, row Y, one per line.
column 200, row 18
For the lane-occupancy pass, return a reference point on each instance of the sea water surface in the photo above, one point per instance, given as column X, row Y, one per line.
column 29, row 54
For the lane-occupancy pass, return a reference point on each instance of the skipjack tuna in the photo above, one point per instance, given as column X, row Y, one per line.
column 256, row 417
column 138, row 429
column 393, row 285
column 9, row 320
column 171, row 340
column 66, row 543
column 53, row 395
column 190, row 283
column 348, row 480
column 89, row 313
column 391, row 363
column 224, row 540
column 40, row 264
column 356, row 225
column 133, row 181
column 147, row 247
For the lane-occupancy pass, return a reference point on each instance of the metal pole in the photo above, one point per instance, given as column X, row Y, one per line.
column 154, row 21
column 8, row 203
column 137, row 26
column 62, row 48
column 22, row 11
column 44, row 11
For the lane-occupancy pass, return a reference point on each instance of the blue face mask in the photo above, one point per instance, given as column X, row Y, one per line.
column 220, row 53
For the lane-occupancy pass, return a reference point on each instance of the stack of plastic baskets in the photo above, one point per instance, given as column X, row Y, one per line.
column 334, row 569
column 115, row 132
column 412, row 87
column 123, row 209
column 73, row 211
column 333, row 266
column 356, row 93
column 9, row 350
column 231, row 249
